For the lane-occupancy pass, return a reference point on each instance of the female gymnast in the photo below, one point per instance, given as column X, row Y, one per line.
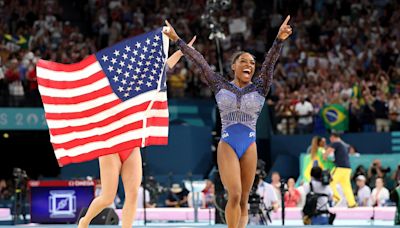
column 240, row 102
column 129, row 165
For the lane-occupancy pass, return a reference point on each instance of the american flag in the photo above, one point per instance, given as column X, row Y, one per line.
column 112, row 101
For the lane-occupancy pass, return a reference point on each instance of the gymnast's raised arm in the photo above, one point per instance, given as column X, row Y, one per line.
column 267, row 70
column 192, row 54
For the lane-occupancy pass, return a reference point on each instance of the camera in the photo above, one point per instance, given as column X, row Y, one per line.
column 326, row 177
column 254, row 198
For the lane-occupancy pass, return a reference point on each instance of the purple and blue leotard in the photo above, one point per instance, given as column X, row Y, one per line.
column 239, row 107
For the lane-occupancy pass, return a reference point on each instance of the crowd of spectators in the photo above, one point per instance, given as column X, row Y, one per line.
column 349, row 56
column 6, row 189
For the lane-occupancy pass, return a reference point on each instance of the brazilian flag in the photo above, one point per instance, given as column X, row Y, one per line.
column 17, row 39
column 335, row 117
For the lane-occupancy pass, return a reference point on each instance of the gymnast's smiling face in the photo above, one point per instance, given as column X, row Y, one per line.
column 243, row 67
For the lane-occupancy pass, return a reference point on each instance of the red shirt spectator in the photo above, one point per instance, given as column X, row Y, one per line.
column 31, row 76
column 292, row 196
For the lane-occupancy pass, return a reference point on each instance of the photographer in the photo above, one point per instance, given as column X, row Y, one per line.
column 20, row 195
column 322, row 192
column 376, row 171
column 262, row 200
column 268, row 195
column 396, row 176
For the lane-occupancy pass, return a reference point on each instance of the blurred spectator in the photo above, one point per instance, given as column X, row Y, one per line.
column 6, row 189
column 177, row 197
column 287, row 122
column 209, row 192
column 292, row 196
column 3, row 86
column 177, row 81
column 394, row 111
column 360, row 170
column 276, row 184
column 141, row 198
column 381, row 109
column 363, row 195
column 376, row 171
column 200, row 202
column 304, row 111
column 15, row 89
column 368, row 113
column 353, row 151
column 380, row 194
column 396, row 176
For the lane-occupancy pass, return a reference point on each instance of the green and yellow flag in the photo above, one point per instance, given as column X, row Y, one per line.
column 335, row 117
column 17, row 39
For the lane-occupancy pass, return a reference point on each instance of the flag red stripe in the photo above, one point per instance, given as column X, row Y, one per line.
column 105, row 122
column 71, row 84
column 157, row 121
column 96, row 138
column 152, row 140
column 86, row 113
column 66, row 67
column 160, row 105
column 129, row 145
column 78, row 99
column 99, row 152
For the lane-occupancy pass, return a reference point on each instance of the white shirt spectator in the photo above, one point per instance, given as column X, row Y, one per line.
column 267, row 192
column 364, row 195
column 379, row 197
column 140, row 197
column 304, row 109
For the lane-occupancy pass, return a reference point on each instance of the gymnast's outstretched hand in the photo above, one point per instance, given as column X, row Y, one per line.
column 285, row 30
column 170, row 32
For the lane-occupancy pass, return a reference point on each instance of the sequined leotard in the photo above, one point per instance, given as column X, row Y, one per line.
column 239, row 107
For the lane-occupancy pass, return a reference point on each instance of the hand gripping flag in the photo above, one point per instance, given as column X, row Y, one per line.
column 112, row 101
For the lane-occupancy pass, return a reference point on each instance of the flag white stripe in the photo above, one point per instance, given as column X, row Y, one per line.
column 157, row 96
column 80, row 107
column 68, row 76
column 128, row 136
column 111, row 127
column 50, row 92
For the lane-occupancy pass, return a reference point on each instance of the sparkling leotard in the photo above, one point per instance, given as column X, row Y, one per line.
column 239, row 107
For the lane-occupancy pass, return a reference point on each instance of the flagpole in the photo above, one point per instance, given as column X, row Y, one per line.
column 144, row 185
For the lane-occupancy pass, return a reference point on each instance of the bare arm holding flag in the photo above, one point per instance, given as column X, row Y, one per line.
column 174, row 58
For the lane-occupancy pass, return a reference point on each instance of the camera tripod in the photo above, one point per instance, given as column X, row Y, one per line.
column 260, row 212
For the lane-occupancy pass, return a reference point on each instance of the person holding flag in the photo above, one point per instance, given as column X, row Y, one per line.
column 240, row 102
column 107, row 107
